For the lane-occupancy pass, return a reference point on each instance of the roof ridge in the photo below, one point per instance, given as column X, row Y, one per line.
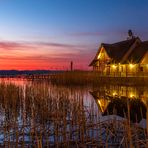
column 128, row 40
column 116, row 43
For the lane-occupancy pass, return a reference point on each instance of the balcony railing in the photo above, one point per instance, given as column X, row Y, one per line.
column 122, row 74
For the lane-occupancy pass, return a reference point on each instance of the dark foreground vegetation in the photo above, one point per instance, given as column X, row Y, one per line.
column 83, row 78
column 38, row 115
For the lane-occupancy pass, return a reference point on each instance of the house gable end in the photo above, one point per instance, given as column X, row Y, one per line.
column 144, row 60
column 101, row 55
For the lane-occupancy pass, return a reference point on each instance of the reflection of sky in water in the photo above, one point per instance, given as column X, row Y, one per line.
column 35, row 96
column 54, row 91
column 16, row 81
column 95, row 100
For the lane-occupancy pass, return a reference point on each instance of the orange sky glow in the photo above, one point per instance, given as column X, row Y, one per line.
column 48, row 35
column 42, row 55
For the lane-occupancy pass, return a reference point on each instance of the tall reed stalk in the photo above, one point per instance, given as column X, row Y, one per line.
column 41, row 115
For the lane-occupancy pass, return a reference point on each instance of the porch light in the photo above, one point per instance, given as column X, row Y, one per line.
column 114, row 66
column 131, row 65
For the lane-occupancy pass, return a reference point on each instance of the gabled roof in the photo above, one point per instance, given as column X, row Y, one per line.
column 138, row 53
column 116, row 51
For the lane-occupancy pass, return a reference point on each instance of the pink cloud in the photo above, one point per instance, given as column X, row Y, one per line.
column 43, row 55
column 10, row 45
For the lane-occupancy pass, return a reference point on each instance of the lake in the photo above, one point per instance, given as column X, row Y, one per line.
column 40, row 114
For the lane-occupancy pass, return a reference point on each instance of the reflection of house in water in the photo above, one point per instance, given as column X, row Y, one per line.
column 115, row 100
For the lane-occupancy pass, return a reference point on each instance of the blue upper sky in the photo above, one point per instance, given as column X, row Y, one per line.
column 75, row 22
column 63, row 20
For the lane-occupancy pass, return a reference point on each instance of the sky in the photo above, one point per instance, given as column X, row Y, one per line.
column 49, row 34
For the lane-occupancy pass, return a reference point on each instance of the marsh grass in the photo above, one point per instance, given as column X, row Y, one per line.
column 39, row 115
column 92, row 78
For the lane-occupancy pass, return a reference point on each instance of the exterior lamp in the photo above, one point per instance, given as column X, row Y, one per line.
column 114, row 66
column 131, row 65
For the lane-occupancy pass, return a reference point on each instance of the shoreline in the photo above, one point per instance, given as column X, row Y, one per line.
column 84, row 78
column 90, row 78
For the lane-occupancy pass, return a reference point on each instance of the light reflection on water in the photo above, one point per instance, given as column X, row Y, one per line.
column 36, row 105
column 97, row 98
column 115, row 100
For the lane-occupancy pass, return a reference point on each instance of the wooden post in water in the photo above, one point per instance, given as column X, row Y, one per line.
column 71, row 65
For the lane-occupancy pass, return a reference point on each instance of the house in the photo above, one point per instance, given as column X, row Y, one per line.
column 125, row 58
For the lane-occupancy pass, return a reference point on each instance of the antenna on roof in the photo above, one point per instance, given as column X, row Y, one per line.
column 130, row 34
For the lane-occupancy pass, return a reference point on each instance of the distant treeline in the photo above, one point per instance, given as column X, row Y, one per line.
column 25, row 72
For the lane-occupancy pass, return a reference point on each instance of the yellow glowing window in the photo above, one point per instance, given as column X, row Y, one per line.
column 131, row 65
column 114, row 66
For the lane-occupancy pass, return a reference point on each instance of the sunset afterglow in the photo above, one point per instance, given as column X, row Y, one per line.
column 36, row 34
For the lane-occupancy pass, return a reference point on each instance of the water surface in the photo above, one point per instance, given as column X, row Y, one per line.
column 30, row 111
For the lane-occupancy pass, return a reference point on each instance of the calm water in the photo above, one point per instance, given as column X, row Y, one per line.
column 26, row 107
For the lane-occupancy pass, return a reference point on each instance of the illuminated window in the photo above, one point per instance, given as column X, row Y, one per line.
column 114, row 66
column 131, row 65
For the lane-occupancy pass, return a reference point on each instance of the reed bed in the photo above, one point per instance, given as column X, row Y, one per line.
column 41, row 115
column 83, row 78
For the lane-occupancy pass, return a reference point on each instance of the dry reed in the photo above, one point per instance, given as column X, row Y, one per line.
column 41, row 115
column 83, row 78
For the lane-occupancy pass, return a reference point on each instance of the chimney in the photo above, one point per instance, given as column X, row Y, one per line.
column 130, row 34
